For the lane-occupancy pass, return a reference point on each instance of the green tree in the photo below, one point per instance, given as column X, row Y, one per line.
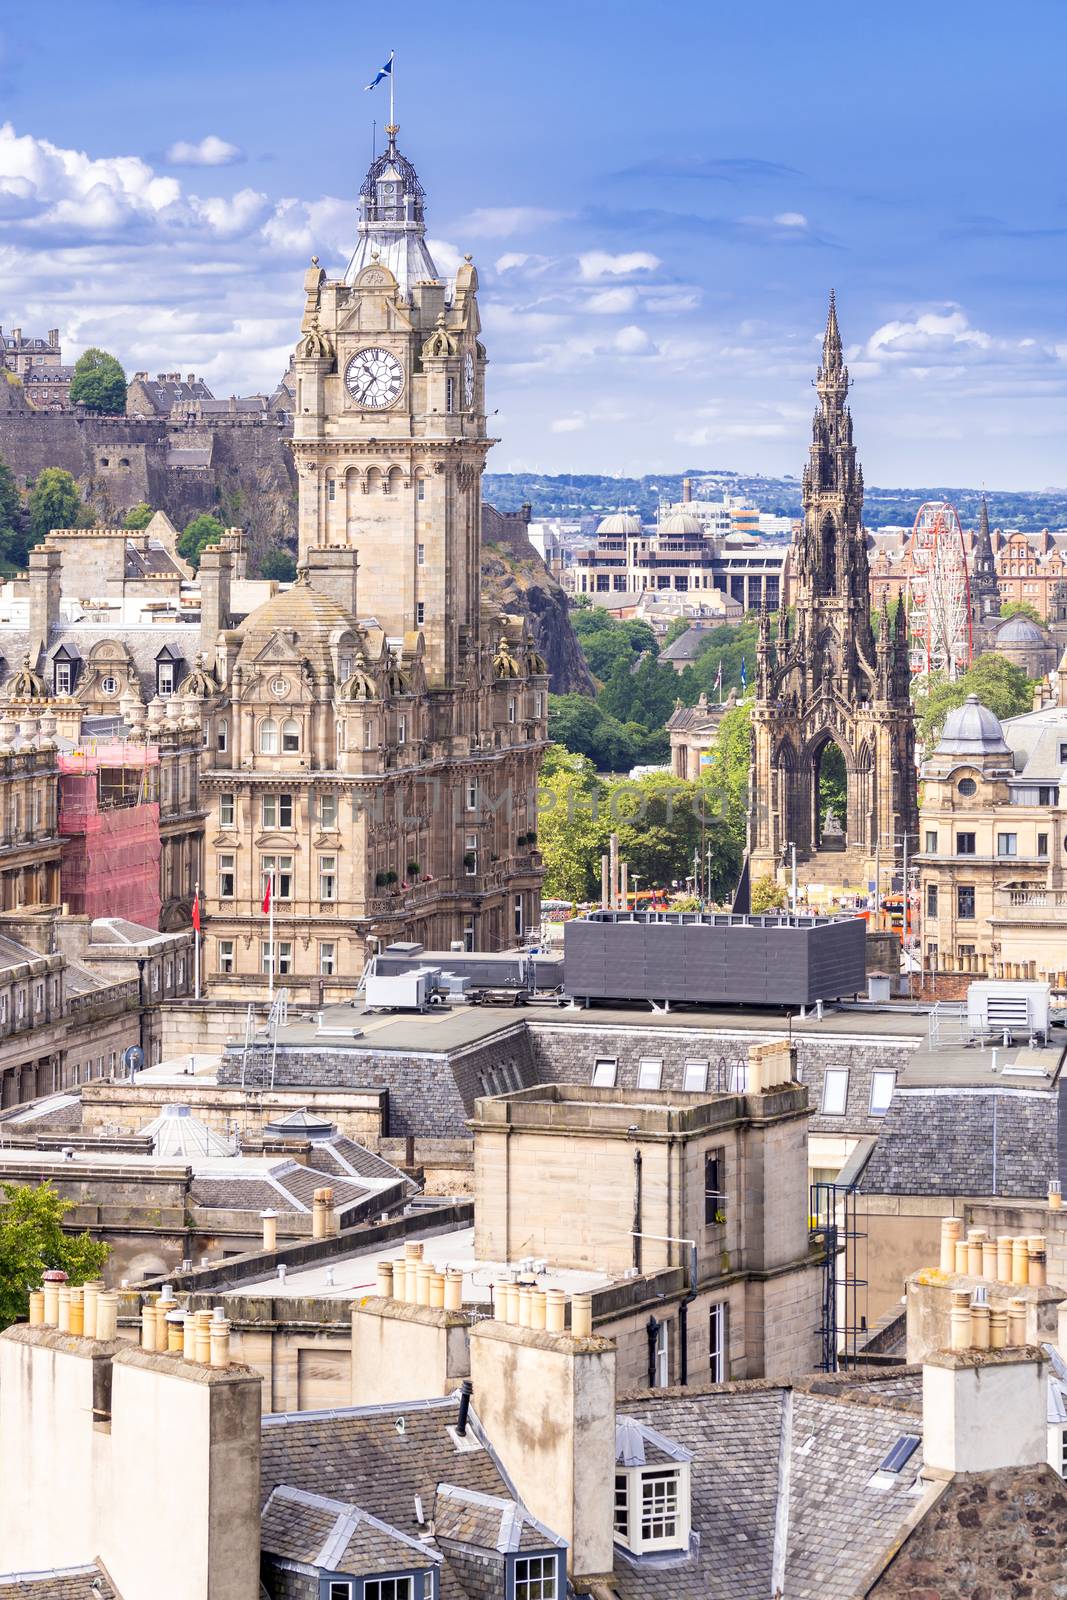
column 278, row 564
column 32, row 1241
column 55, row 503
column 194, row 540
column 138, row 516
column 99, row 383
column 663, row 822
column 726, row 778
column 767, row 895
column 570, row 834
column 13, row 545
column 998, row 683
column 1022, row 608
column 581, row 726
column 605, row 642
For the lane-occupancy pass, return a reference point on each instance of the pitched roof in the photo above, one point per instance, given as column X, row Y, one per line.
column 979, row 1141
column 337, row 1536
column 66, row 1583
column 380, row 1458
column 781, row 1493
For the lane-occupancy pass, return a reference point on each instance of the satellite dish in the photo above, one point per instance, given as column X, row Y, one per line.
column 133, row 1059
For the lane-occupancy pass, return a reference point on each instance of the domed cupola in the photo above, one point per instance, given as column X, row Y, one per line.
column 972, row 730
column 392, row 221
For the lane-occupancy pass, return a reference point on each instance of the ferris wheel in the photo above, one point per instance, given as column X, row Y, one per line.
column 938, row 596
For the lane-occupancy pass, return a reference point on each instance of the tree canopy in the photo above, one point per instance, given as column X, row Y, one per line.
column 197, row 535
column 138, row 516
column 661, row 821
column 99, row 383
column 278, row 564
column 55, row 503
column 1022, row 608
column 998, row 683
column 13, row 541
column 32, row 1241
column 605, row 641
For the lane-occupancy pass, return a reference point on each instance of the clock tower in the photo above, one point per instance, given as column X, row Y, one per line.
column 389, row 437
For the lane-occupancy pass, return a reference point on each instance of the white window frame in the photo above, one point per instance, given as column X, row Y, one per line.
column 285, row 957
column 271, row 809
column 535, row 1576
column 661, row 1355
column 638, row 1481
column 271, row 866
column 605, row 1072
column 221, row 737
column 291, row 737
column 649, row 1073
column 226, row 956
column 327, row 811
column 165, row 678
column 228, row 809
column 717, row 1362
column 268, row 737
column 695, row 1080
column 327, row 959
column 472, row 794
column 226, row 865
column 880, row 1101
column 401, row 729
column 328, row 878
column 834, row 1101
column 1003, row 840
column 61, row 676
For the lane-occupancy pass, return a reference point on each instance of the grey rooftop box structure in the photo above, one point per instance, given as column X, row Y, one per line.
column 705, row 959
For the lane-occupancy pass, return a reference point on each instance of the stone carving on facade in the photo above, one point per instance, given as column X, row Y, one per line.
column 201, row 683
column 440, row 342
column 26, row 684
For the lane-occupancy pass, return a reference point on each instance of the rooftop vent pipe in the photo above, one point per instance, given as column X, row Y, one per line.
column 465, row 1392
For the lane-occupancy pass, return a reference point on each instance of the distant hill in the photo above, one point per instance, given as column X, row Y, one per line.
column 591, row 494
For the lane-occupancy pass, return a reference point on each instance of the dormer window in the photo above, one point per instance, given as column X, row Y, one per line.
column 165, row 678
column 652, row 1490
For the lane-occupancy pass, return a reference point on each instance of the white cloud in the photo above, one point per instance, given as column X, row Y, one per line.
column 573, row 424
column 632, row 341
column 233, row 217
column 301, row 227
column 612, row 301
column 446, row 257
column 511, row 261
column 500, row 222
column 791, row 219
column 211, row 151
column 595, row 264
column 930, row 334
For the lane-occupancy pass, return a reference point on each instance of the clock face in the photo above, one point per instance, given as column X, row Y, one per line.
column 468, row 380
column 374, row 378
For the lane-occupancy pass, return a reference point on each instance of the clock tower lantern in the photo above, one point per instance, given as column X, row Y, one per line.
column 389, row 436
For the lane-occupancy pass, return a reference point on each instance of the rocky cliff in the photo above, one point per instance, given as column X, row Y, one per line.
column 240, row 471
column 514, row 578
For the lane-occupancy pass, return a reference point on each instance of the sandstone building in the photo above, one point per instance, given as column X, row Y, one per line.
column 828, row 680
column 372, row 741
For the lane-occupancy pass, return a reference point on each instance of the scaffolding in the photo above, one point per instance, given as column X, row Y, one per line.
column 109, row 823
column 843, row 1318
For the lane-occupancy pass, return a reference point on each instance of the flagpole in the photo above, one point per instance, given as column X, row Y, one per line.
column 392, row 75
column 270, row 936
column 196, row 940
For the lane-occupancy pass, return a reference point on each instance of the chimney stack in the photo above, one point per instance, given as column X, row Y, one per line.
column 216, row 571
column 547, row 1401
column 46, row 591
column 331, row 570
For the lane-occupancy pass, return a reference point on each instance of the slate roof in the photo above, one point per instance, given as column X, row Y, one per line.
column 489, row 1521
column 68, row 1583
column 143, row 642
column 967, row 1141
column 287, row 1187
column 687, row 646
column 360, row 1456
column 336, row 1536
column 781, row 1493
column 341, row 1156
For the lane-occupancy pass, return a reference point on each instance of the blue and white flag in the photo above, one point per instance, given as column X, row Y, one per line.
column 386, row 72
column 744, row 676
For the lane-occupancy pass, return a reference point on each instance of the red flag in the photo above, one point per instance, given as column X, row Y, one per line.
column 266, row 896
column 196, row 911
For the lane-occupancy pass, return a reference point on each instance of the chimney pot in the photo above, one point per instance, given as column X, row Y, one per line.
column 960, row 1320
column 1036, row 1261
column 385, row 1279
column 89, row 1305
column 203, row 1337
column 1016, row 1322
column 581, row 1316
column 1020, row 1262
column 107, row 1314
column 77, row 1310
column 148, row 1327
column 36, row 1308
column 951, row 1228
column 961, row 1258
column 1055, row 1195
column 555, row 1311
column 220, row 1342
column 1004, row 1258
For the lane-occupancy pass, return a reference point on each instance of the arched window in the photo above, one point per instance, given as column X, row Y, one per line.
column 268, row 737
column 290, row 736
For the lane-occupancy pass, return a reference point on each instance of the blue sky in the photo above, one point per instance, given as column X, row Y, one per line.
column 657, row 200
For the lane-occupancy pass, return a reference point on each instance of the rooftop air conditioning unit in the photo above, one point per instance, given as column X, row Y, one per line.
column 1012, row 1008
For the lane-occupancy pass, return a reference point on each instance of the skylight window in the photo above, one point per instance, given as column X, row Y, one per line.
column 889, row 1474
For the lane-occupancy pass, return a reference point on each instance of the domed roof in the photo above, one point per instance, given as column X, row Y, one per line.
column 681, row 522
column 1020, row 630
column 972, row 730
column 313, row 616
column 619, row 522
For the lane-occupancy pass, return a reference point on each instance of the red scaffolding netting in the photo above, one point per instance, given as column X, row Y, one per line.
column 109, row 822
